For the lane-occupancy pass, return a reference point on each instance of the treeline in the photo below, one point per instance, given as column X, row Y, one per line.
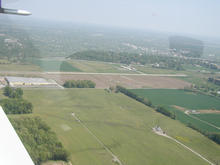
column 41, row 143
column 128, row 58
column 213, row 136
column 143, row 100
column 133, row 95
column 166, row 112
column 79, row 84
column 15, row 104
column 186, row 46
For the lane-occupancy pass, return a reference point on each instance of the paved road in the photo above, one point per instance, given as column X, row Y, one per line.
column 88, row 73
column 120, row 74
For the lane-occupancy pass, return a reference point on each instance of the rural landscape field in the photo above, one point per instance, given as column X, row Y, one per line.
column 118, row 122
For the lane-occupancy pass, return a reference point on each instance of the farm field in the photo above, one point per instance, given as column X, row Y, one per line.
column 180, row 98
column 55, row 65
column 211, row 118
column 19, row 67
column 122, row 124
column 172, row 99
column 129, row 81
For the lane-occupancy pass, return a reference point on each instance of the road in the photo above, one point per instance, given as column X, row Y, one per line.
column 88, row 73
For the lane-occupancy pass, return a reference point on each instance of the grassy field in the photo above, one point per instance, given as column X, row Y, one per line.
column 149, row 70
column 188, row 100
column 98, row 67
column 18, row 67
column 55, row 65
column 122, row 124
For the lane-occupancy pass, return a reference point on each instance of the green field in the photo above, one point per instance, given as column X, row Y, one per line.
column 211, row 118
column 122, row 124
column 188, row 100
column 148, row 69
column 55, row 65
column 179, row 97
column 19, row 67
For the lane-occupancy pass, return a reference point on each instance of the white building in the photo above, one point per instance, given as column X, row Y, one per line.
column 24, row 81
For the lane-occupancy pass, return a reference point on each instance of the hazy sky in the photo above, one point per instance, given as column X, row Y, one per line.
column 187, row 16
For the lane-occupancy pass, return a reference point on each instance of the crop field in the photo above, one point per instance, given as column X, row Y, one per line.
column 129, row 81
column 170, row 98
column 55, row 65
column 123, row 125
column 211, row 118
column 180, row 98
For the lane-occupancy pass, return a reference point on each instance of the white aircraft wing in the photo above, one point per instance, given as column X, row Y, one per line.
column 13, row 11
column 12, row 150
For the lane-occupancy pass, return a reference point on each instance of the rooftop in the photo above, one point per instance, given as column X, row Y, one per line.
column 26, row 80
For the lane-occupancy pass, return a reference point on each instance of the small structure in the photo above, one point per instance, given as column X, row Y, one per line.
column 158, row 130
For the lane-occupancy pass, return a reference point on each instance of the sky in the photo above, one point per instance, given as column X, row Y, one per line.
column 199, row 17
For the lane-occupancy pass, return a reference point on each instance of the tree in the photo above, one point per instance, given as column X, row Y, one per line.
column 13, row 93
column 79, row 84
column 7, row 91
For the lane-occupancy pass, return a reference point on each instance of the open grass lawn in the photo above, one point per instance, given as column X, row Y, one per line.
column 18, row 67
column 188, row 100
column 55, row 65
column 150, row 70
column 122, row 124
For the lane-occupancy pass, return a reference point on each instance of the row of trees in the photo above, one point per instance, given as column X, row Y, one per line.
column 79, row 84
column 133, row 95
column 213, row 136
column 143, row 100
column 166, row 112
column 15, row 104
column 41, row 143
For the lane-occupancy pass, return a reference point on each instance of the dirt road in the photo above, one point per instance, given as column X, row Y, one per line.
column 114, row 157
column 161, row 133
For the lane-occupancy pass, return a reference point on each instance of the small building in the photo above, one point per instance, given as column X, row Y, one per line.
column 25, row 82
